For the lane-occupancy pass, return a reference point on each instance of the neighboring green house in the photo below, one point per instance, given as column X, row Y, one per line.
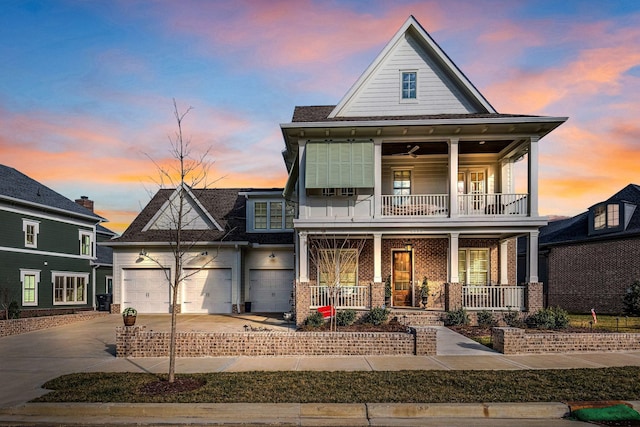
column 49, row 262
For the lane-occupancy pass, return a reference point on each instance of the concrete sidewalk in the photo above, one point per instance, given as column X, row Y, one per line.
column 29, row 360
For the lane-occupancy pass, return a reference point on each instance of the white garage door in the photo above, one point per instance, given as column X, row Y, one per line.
column 208, row 291
column 271, row 290
column 146, row 290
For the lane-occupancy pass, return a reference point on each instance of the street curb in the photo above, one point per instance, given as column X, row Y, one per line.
column 351, row 414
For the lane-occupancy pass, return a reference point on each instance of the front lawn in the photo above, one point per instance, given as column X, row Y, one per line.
column 356, row 387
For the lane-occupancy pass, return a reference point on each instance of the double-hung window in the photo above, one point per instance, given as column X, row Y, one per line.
column 473, row 266
column 409, row 85
column 30, row 280
column 69, row 288
column 337, row 267
column 273, row 215
column 86, row 244
column 31, row 229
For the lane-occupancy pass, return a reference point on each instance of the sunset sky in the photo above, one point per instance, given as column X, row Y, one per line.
column 86, row 87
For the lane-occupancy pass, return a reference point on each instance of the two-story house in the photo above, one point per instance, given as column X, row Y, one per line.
column 47, row 248
column 238, row 253
column 590, row 260
column 415, row 162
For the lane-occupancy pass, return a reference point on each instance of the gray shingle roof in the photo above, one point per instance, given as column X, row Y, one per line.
column 226, row 205
column 20, row 188
column 576, row 229
column 320, row 113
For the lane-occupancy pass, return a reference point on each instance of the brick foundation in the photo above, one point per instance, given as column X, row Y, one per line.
column 29, row 324
column 136, row 341
column 517, row 341
column 115, row 309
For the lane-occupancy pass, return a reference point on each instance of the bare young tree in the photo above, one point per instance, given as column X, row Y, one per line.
column 178, row 217
column 335, row 259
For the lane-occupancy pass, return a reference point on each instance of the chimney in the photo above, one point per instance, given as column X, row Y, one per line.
column 85, row 202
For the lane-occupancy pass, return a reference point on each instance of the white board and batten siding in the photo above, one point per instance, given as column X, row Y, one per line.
column 379, row 95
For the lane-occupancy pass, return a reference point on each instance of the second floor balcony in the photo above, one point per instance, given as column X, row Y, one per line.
column 437, row 205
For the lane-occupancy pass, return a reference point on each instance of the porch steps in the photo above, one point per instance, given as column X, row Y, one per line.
column 417, row 317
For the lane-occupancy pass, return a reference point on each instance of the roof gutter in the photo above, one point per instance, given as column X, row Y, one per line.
column 52, row 209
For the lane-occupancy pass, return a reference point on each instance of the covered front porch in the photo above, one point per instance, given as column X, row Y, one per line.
column 460, row 270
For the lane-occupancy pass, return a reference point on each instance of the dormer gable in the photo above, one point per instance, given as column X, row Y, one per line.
column 411, row 76
column 194, row 215
column 614, row 214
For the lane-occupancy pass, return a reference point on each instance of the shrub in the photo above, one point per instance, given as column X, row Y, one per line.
column 513, row 320
column 486, row 319
column 632, row 299
column 345, row 317
column 377, row 316
column 549, row 318
column 13, row 310
column 456, row 317
column 315, row 320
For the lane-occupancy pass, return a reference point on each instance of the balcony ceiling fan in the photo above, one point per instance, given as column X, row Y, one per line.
column 410, row 152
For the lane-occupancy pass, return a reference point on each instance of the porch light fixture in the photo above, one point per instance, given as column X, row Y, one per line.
column 143, row 253
column 408, row 246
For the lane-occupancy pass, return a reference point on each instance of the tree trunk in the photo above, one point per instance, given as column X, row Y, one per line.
column 172, row 340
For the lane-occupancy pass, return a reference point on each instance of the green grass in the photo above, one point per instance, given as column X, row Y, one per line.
column 360, row 387
column 611, row 323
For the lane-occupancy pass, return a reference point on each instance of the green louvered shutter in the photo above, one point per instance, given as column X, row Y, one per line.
column 339, row 165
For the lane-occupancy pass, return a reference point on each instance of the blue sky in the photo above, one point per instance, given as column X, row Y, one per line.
column 86, row 87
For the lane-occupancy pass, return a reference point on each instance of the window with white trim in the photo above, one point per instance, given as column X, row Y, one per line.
column 473, row 266
column 31, row 229
column 86, row 244
column 338, row 267
column 409, row 82
column 30, row 280
column 69, row 288
column 274, row 215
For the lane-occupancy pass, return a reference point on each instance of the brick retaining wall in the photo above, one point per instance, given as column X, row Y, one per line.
column 136, row 341
column 517, row 341
column 28, row 324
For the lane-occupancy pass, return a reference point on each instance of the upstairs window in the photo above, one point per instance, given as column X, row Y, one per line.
column 273, row 215
column 606, row 216
column 86, row 244
column 409, row 84
column 31, row 229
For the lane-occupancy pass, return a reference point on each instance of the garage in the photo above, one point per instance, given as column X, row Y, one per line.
column 146, row 290
column 271, row 290
column 208, row 291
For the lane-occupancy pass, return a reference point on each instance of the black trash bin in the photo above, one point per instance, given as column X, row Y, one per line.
column 104, row 302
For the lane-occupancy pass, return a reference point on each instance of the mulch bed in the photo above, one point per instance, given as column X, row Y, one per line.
column 391, row 326
column 477, row 331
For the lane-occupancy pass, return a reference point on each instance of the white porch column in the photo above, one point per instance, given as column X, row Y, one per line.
column 506, row 177
column 453, row 181
column 533, row 176
column 302, row 185
column 377, row 183
column 303, row 259
column 453, row 258
column 532, row 257
column 504, row 262
column 377, row 258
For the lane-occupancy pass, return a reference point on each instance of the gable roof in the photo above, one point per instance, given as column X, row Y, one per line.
column 227, row 206
column 18, row 188
column 432, row 55
column 576, row 229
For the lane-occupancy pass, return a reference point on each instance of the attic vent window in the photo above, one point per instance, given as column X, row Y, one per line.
column 409, row 84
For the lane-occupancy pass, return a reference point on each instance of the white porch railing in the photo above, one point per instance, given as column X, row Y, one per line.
column 345, row 296
column 493, row 204
column 416, row 205
column 493, row 297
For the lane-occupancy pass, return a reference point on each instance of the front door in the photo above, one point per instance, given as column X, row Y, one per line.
column 402, row 279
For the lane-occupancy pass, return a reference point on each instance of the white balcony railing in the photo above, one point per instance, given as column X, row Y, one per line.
column 344, row 296
column 493, row 297
column 492, row 204
column 437, row 205
column 416, row 205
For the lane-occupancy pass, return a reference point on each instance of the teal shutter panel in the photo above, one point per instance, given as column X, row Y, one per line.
column 339, row 165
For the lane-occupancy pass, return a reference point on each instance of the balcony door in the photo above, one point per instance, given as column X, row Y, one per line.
column 472, row 187
column 402, row 278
